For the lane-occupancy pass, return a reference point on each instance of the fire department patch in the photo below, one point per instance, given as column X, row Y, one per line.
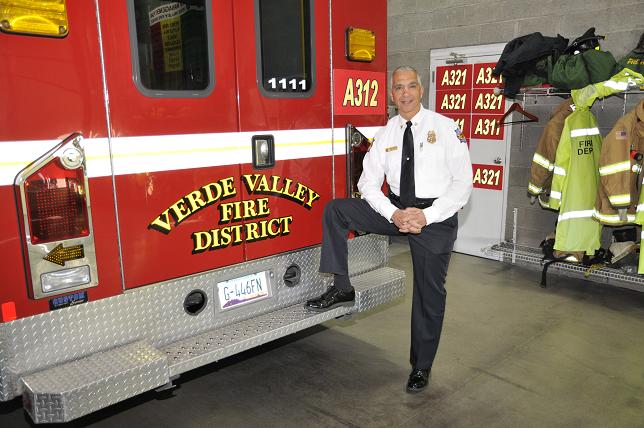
column 460, row 135
column 431, row 137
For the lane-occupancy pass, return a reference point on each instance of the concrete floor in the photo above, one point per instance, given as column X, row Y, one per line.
column 512, row 355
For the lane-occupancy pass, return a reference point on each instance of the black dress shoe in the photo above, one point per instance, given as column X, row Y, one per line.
column 418, row 380
column 332, row 298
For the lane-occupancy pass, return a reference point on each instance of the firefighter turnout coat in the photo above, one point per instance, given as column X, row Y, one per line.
column 543, row 161
column 621, row 173
column 575, row 181
column 620, row 169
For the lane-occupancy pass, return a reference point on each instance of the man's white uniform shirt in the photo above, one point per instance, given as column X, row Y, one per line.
column 442, row 166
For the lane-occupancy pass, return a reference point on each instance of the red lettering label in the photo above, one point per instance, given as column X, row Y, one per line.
column 453, row 101
column 359, row 92
column 487, row 127
column 487, row 176
column 482, row 75
column 484, row 101
column 454, row 77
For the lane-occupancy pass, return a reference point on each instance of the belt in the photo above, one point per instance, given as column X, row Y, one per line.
column 421, row 203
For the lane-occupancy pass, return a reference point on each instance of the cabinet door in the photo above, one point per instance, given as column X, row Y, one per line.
column 170, row 73
column 283, row 75
column 464, row 92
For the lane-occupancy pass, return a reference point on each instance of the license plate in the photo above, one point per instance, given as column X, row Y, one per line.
column 246, row 289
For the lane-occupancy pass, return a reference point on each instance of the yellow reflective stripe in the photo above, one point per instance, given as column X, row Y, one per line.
column 576, row 214
column 544, row 204
column 540, row 160
column 559, row 170
column 620, row 199
column 614, row 218
column 534, row 189
column 614, row 168
column 555, row 195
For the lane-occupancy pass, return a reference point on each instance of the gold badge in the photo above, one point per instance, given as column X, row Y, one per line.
column 431, row 137
column 391, row 149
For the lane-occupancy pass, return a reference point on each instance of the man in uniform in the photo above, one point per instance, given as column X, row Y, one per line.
column 426, row 162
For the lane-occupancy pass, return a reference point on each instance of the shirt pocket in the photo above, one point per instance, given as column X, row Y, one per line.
column 393, row 158
column 431, row 162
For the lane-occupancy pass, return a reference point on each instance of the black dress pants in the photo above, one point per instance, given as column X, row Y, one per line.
column 430, row 251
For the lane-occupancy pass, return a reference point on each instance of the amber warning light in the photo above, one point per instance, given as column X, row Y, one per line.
column 35, row 17
column 361, row 44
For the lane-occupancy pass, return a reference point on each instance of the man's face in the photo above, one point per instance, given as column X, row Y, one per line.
column 406, row 93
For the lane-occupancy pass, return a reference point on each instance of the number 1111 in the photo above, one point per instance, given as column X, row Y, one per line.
column 287, row 84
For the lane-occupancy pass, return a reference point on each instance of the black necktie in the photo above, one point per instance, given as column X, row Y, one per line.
column 407, row 184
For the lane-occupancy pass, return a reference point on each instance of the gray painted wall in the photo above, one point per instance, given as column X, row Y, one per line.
column 417, row 26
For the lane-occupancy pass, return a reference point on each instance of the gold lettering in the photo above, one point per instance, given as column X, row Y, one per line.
column 276, row 231
column 228, row 187
column 160, row 224
column 285, row 222
column 237, row 231
column 249, row 209
column 445, row 102
column 313, row 196
column 251, row 232
column 274, row 180
column 201, row 241
column 263, row 185
column 251, row 181
column 225, row 212
column 477, row 176
column 479, row 102
column 262, row 207
column 212, row 197
column 300, row 192
column 179, row 211
column 195, row 201
column 348, row 94
column 287, row 187
column 224, row 237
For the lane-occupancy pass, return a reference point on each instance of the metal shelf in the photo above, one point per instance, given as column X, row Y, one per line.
column 551, row 91
column 533, row 258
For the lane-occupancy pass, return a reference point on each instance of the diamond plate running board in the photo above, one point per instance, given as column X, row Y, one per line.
column 372, row 289
column 77, row 388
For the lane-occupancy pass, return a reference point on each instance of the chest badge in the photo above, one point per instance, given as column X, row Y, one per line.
column 431, row 137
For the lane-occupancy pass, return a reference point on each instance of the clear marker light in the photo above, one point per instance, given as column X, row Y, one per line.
column 67, row 278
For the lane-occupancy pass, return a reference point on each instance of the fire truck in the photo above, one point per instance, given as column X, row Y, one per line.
column 164, row 170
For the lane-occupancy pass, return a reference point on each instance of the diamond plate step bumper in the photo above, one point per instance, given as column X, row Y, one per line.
column 372, row 289
column 74, row 389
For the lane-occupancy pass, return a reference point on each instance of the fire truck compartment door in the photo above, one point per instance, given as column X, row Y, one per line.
column 282, row 55
column 175, row 146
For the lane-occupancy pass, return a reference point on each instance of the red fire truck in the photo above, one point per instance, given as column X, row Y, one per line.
column 164, row 169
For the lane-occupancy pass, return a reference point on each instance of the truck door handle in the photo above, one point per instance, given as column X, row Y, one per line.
column 263, row 147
